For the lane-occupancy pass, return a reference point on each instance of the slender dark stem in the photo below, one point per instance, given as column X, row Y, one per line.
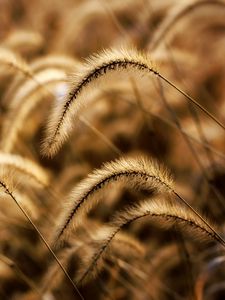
column 192, row 149
column 192, row 100
column 217, row 235
column 7, row 191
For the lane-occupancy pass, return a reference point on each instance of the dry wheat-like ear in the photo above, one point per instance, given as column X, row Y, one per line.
column 109, row 62
column 12, row 63
column 32, row 93
column 137, row 173
column 44, row 63
column 26, row 167
column 24, row 41
column 38, row 85
column 170, row 22
column 25, row 100
column 61, row 119
column 162, row 213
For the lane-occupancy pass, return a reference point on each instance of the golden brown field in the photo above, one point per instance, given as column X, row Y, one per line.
column 112, row 149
